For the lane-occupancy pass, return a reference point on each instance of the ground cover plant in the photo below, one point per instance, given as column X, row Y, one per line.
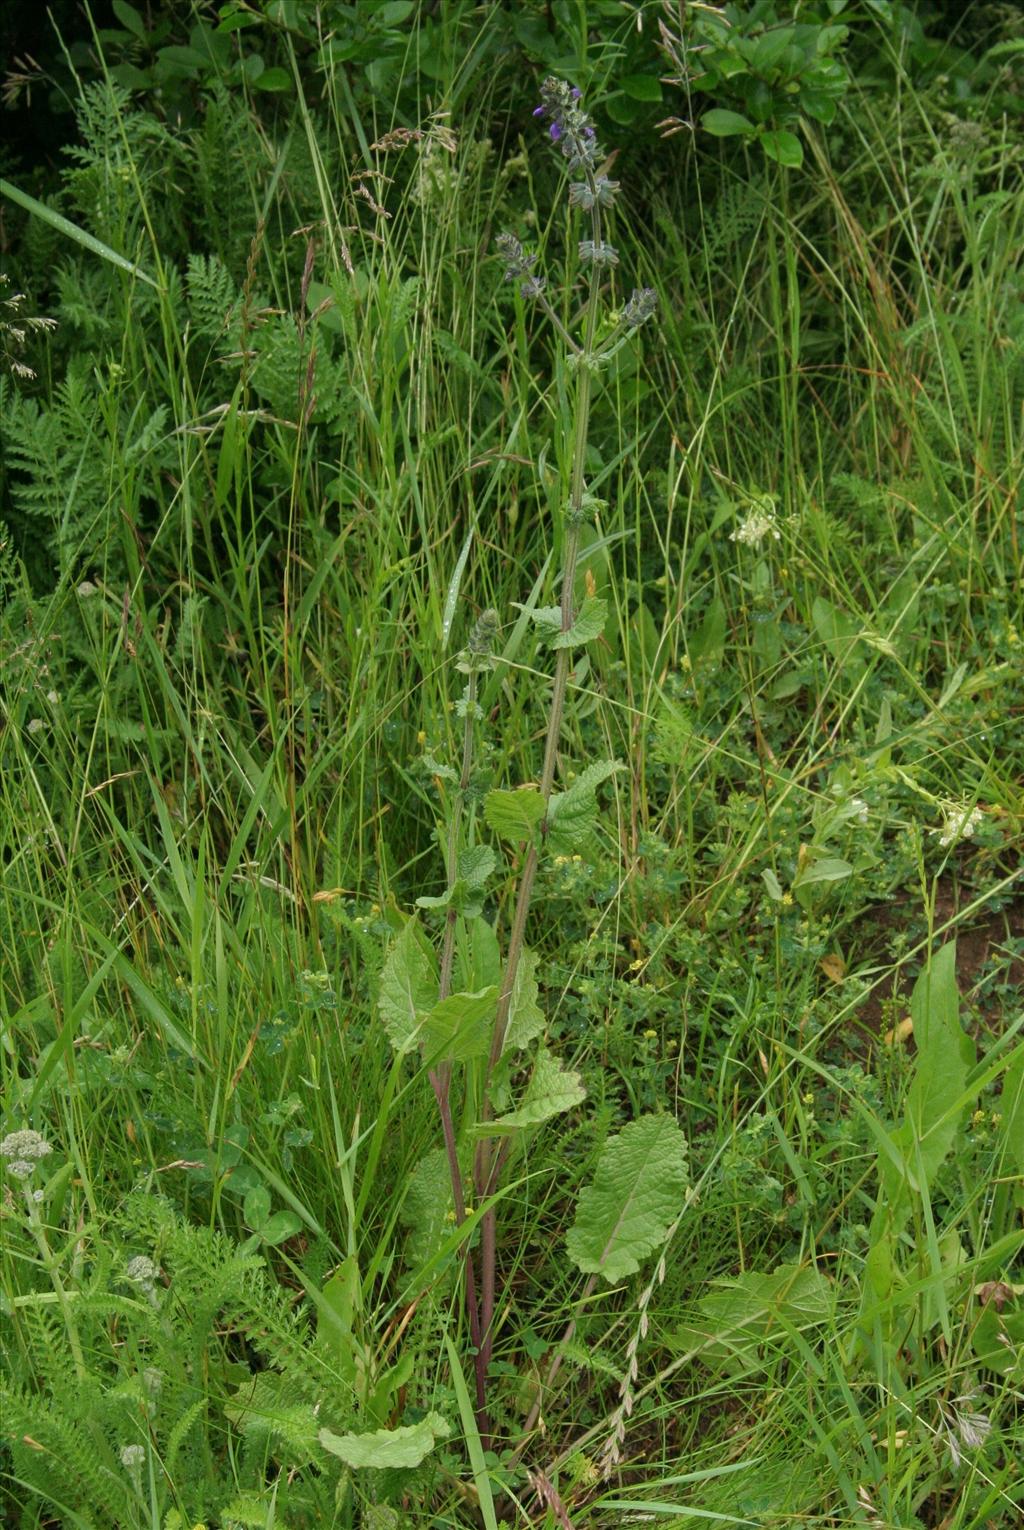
column 511, row 935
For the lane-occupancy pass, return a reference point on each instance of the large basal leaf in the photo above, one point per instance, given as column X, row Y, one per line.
column 551, row 1091
column 425, row 1207
column 746, row 1320
column 408, row 987
column 405, row 1447
column 635, row 1196
column 910, row 1157
column 572, row 814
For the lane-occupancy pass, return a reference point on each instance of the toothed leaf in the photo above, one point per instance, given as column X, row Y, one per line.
column 551, row 1091
column 635, row 1196
column 572, row 814
column 514, row 815
column 589, row 624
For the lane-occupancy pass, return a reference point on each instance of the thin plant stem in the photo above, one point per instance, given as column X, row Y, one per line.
column 49, row 1261
column 441, row 1077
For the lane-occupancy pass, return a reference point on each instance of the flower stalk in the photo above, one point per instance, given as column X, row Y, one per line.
column 570, row 128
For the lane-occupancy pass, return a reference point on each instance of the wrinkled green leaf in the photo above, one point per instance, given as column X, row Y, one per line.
column 572, row 814
column 546, row 618
column 741, row 1316
column 465, row 894
column 477, row 956
column 525, row 1017
column 476, row 864
column 551, row 1091
column 589, row 624
column 635, row 1196
column 425, row 1207
column 514, row 815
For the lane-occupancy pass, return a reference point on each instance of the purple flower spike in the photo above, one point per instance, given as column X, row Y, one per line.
column 568, row 124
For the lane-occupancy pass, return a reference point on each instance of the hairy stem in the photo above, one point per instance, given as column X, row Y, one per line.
column 487, row 1164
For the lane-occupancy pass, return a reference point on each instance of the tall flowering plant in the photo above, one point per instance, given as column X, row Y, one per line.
column 491, row 1037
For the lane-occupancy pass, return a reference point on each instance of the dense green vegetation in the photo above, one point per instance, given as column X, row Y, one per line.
column 278, row 438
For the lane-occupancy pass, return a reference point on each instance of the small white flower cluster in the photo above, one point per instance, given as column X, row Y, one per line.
column 23, row 1150
column 758, row 523
column 959, row 822
column 132, row 1457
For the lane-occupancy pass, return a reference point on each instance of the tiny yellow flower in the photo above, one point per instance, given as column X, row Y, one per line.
column 787, row 900
column 650, row 1035
column 421, row 738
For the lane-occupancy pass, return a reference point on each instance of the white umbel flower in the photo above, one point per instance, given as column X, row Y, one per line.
column 960, row 821
column 758, row 523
